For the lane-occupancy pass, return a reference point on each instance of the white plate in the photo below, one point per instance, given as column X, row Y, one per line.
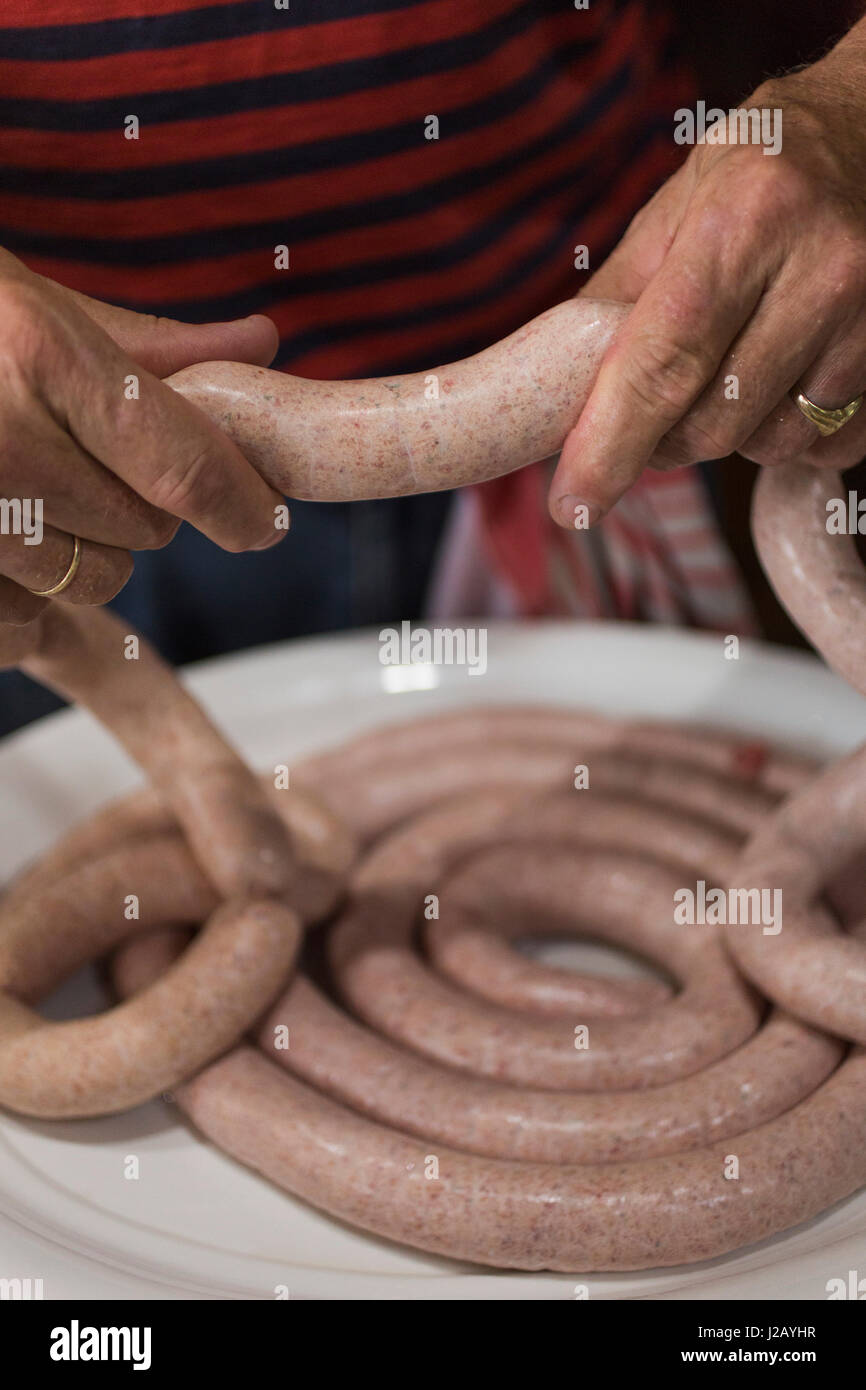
column 195, row 1224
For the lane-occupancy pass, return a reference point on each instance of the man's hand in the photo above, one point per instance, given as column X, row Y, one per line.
column 90, row 432
column 748, row 273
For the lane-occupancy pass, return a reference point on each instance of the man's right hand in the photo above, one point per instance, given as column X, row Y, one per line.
column 115, row 456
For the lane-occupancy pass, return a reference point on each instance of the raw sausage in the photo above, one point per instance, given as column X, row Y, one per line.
column 352, row 1112
column 338, row 441
column 74, row 907
column 451, row 1106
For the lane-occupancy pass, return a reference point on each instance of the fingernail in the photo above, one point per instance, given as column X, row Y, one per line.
column 576, row 514
column 226, row 323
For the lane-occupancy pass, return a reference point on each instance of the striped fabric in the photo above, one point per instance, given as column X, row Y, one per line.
column 305, row 127
column 658, row 557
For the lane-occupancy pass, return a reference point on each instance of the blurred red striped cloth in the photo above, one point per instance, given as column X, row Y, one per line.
column 657, row 557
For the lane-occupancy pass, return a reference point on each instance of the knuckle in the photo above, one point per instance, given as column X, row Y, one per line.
column 844, row 277
column 643, row 214
column 767, row 193
column 157, row 323
column 25, row 328
column 710, row 221
column 786, row 184
column 197, row 490
column 791, row 174
column 667, row 375
column 187, row 489
column 700, row 440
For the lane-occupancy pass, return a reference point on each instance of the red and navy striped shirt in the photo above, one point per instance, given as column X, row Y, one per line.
column 305, row 127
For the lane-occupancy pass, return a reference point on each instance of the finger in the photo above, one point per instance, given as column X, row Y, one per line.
column 666, row 353
column 166, row 449
column 791, row 328
column 18, row 608
column 163, row 345
column 835, row 378
column 787, row 436
column 101, row 572
column 79, row 496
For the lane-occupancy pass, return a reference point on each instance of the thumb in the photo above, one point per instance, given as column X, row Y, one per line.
column 163, row 346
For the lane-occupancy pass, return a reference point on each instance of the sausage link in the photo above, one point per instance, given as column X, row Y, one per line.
column 810, row 966
column 72, row 907
column 338, row 441
column 818, row 576
column 458, row 1051
column 350, row 1114
column 233, row 831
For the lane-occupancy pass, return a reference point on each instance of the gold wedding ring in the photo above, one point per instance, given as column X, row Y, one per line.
column 827, row 421
column 68, row 576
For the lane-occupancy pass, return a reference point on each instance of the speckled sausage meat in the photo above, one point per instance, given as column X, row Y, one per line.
column 62, row 913
column 810, row 966
column 366, row 1103
column 529, row 1216
column 132, row 1052
column 89, row 656
column 817, row 575
column 421, row 1076
column 337, row 441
